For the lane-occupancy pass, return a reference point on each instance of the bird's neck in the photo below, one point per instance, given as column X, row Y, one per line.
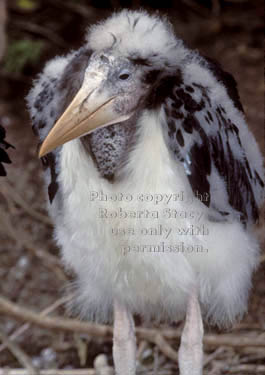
column 110, row 146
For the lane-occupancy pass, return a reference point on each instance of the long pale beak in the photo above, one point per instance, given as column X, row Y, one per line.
column 85, row 113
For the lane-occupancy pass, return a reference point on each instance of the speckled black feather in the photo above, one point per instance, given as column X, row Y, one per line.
column 182, row 113
column 227, row 80
column 68, row 86
column 4, row 158
column 49, row 161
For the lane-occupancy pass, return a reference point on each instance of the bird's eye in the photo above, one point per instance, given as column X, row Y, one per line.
column 124, row 76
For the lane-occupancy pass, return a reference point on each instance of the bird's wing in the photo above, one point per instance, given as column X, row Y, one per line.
column 4, row 158
column 207, row 133
column 52, row 92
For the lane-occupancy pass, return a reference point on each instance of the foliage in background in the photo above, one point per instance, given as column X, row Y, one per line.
column 22, row 52
column 27, row 5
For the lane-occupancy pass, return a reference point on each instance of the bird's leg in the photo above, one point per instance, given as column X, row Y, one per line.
column 124, row 345
column 191, row 348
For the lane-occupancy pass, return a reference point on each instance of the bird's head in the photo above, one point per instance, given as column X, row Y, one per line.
column 131, row 52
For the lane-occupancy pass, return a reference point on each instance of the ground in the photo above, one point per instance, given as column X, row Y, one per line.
column 30, row 269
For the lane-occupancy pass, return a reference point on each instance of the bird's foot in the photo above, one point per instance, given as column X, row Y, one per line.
column 191, row 347
column 124, row 346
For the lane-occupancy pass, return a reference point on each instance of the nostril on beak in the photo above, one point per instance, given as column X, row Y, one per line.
column 104, row 59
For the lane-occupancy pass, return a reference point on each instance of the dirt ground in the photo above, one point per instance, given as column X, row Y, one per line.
column 30, row 278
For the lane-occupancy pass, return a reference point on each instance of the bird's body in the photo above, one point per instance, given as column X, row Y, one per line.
column 151, row 281
column 162, row 202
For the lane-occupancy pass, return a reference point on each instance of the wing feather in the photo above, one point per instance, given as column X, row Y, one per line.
column 4, row 158
column 51, row 94
column 207, row 133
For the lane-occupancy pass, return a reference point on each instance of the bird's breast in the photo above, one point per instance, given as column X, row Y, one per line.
column 138, row 213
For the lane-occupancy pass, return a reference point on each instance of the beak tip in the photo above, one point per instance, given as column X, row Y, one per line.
column 42, row 152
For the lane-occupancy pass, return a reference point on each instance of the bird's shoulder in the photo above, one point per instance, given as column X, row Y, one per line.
column 207, row 132
column 43, row 102
column 44, row 97
column 51, row 93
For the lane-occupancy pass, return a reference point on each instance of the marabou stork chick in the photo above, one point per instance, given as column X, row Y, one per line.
column 154, row 181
